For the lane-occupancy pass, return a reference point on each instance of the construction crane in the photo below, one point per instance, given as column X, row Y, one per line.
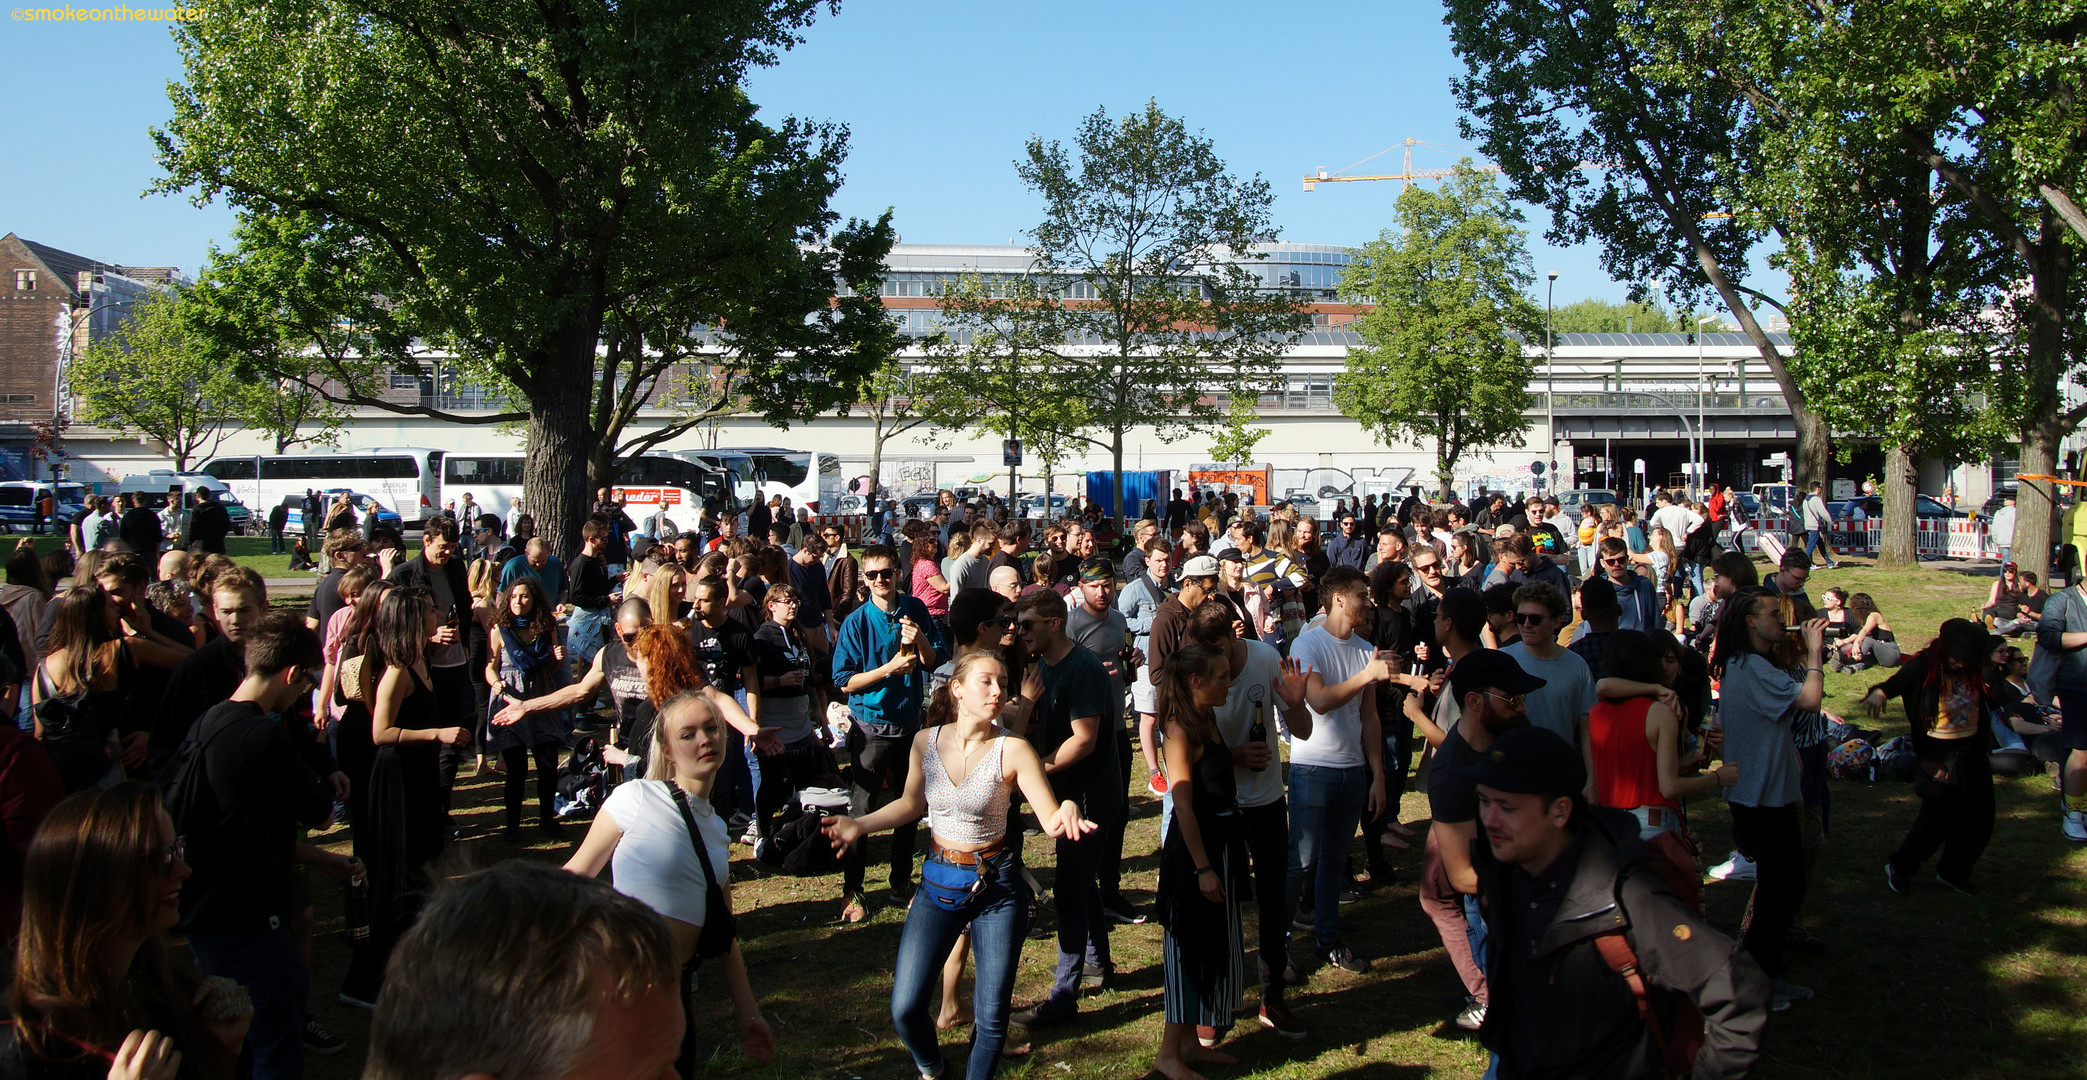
column 1408, row 174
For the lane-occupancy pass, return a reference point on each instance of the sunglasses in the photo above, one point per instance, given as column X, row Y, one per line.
column 1530, row 620
column 879, row 575
column 1514, row 701
column 627, row 638
column 1428, row 568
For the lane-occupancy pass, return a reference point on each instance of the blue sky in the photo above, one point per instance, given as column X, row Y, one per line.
column 939, row 97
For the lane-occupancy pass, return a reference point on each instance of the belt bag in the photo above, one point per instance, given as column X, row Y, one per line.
column 952, row 884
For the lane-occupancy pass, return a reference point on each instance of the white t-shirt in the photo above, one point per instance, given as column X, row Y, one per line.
column 1336, row 741
column 1254, row 682
column 654, row 862
column 1567, row 693
column 1678, row 520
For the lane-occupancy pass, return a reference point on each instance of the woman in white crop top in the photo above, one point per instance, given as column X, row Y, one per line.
column 963, row 769
column 641, row 832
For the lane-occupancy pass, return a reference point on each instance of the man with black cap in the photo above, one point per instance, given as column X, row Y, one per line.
column 1591, row 946
column 1489, row 690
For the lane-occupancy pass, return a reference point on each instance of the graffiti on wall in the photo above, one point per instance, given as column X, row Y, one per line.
column 1325, row 483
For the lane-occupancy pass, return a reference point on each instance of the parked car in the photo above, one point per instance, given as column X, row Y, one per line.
column 1570, row 503
column 1043, row 508
column 1925, row 506
column 18, row 499
column 1305, row 505
column 918, row 506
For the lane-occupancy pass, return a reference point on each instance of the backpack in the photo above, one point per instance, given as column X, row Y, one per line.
column 184, row 780
column 1679, row 1034
column 583, row 783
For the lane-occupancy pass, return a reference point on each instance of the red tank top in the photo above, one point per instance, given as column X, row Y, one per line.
column 1626, row 764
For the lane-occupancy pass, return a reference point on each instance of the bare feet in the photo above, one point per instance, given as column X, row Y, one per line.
column 953, row 1019
column 1200, row 1055
column 1401, row 830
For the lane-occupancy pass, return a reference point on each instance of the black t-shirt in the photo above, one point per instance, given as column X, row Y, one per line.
column 257, row 789
column 1453, row 800
column 724, row 652
column 590, row 582
column 1075, row 687
column 634, row 711
column 326, row 597
column 777, row 655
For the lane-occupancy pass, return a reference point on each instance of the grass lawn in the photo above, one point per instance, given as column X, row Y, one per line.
column 1935, row 984
column 245, row 550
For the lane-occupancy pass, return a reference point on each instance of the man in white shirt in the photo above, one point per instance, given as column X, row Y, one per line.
column 1336, row 771
column 1677, row 519
column 1817, row 521
column 1266, row 690
column 2001, row 533
column 514, row 514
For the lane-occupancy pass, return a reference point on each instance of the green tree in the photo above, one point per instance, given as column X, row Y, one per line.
column 149, row 378
column 1235, row 442
column 1142, row 237
column 992, row 365
column 890, row 401
column 1441, row 358
column 572, row 202
column 1593, row 316
column 1560, row 97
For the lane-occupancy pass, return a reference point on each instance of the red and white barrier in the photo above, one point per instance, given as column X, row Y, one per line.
column 1948, row 538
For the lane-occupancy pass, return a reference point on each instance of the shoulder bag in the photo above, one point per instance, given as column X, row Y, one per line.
column 719, row 926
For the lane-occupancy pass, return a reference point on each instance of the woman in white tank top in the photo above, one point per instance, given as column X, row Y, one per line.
column 963, row 769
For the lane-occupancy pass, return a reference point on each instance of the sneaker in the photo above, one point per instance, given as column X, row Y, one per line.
column 1156, row 784
column 738, row 823
column 1303, row 920
column 1120, row 911
column 2076, row 825
column 1741, row 868
column 1094, row 977
column 349, row 999
column 1044, row 1015
column 1472, row 1016
column 1343, row 957
column 1896, row 880
column 318, row 1040
column 1964, row 887
column 1207, row 1036
column 752, row 836
column 1279, row 1019
column 1790, row 990
column 1349, row 896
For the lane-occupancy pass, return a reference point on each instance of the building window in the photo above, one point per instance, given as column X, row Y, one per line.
column 404, row 382
column 25, row 281
column 21, row 399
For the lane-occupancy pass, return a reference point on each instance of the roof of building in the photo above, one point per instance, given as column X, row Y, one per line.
column 66, row 266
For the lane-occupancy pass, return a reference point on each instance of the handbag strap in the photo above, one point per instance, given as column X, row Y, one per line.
column 713, row 893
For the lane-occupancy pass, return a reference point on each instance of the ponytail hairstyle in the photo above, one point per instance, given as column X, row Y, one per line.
column 942, row 708
column 1177, row 695
column 400, row 633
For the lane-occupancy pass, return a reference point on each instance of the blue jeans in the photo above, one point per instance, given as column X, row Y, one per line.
column 1325, row 810
column 998, row 918
column 587, row 631
column 742, row 777
column 268, row 965
column 1478, row 935
column 1815, row 540
column 1083, row 927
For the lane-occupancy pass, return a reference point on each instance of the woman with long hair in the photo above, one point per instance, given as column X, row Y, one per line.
column 1638, row 758
column 927, row 583
column 668, row 664
column 349, row 634
column 667, row 594
column 669, row 850
column 527, row 661
column 1871, row 644
column 94, row 993
column 962, row 775
column 1767, row 675
column 1202, row 865
column 23, row 597
column 57, row 567
column 83, row 686
column 482, row 581
column 1950, row 708
column 404, row 814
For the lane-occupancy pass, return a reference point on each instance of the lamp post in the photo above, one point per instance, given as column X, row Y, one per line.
column 75, row 325
column 1702, row 442
column 1550, row 384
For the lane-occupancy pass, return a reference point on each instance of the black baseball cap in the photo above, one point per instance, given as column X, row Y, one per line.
column 1490, row 669
column 1232, row 555
column 1527, row 760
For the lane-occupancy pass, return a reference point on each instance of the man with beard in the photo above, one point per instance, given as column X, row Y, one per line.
column 1489, row 689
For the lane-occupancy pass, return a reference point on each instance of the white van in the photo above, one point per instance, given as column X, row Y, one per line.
column 163, row 482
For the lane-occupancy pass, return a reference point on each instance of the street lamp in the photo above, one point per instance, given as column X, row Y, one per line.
column 1702, row 376
column 75, row 322
column 1550, row 384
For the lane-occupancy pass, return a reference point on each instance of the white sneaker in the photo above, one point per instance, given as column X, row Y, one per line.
column 1737, row 868
column 2076, row 825
column 1473, row 1015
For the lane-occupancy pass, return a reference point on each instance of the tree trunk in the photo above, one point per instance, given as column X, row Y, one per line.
column 561, row 445
column 1901, row 479
column 1445, row 473
column 2036, row 505
column 876, row 461
column 1116, row 478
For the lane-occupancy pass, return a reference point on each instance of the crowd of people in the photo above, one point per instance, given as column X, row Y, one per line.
column 1557, row 689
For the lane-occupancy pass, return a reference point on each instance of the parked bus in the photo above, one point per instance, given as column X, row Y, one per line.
column 735, row 467
column 407, row 479
column 804, row 477
column 684, row 487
